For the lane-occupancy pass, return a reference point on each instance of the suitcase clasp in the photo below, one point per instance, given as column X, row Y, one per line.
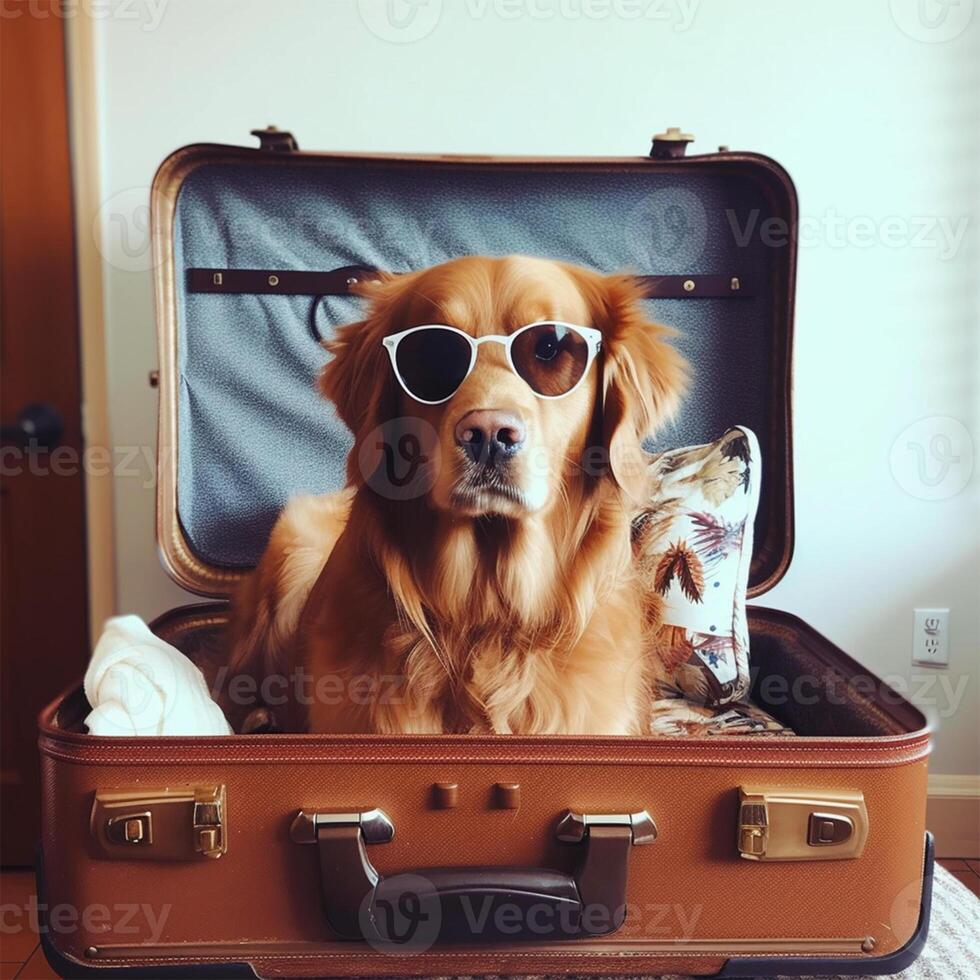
column 167, row 824
column 800, row 824
column 670, row 145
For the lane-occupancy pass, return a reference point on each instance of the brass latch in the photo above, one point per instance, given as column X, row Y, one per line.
column 130, row 828
column 209, row 830
column 800, row 825
column 671, row 144
column 169, row 824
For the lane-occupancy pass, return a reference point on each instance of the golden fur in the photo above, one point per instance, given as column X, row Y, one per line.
column 507, row 615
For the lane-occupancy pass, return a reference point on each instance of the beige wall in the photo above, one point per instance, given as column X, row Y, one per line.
column 873, row 112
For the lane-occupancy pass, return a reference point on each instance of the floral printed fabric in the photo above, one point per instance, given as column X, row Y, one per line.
column 675, row 715
column 694, row 543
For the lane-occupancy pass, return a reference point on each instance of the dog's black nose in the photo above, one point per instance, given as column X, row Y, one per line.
column 489, row 434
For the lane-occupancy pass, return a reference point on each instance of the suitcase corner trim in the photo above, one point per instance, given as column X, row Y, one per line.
column 818, row 966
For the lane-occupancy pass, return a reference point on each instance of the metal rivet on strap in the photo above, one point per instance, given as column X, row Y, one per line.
column 217, row 279
column 273, row 280
column 735, row 284
column 688, row 285
column 352, row 280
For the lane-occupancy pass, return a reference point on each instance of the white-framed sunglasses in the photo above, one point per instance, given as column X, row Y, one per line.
column 433, row 360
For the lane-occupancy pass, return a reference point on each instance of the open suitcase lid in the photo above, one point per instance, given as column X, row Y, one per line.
column 255, row 251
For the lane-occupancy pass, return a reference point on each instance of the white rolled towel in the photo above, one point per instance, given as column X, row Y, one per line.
column 139, row 685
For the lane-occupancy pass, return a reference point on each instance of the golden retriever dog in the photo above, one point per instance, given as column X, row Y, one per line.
column 491, row 589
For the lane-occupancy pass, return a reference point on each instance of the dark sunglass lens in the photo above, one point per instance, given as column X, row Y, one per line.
column 551, row 358
column 433, row 363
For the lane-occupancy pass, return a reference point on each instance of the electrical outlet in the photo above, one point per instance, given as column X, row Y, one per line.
column 930, row 637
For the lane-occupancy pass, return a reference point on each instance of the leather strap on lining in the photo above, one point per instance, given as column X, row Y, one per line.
column 336, row 282
column 696, row 287
column 341, row 282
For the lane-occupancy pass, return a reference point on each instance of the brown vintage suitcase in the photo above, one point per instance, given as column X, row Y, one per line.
column 300, row 855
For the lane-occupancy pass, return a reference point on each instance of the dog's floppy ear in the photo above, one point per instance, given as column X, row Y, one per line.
column 643, row 379
column 358, row 377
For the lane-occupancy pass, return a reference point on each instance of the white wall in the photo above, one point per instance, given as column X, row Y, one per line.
column 875, row 113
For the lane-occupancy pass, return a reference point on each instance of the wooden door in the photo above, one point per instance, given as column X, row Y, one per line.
column 43, row 598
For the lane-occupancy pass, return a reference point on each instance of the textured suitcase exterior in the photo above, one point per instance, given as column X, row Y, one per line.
column 256, row 855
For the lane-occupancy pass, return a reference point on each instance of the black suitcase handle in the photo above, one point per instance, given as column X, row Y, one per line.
column 472, row 904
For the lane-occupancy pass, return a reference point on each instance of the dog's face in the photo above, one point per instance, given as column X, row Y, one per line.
column 495, row 446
